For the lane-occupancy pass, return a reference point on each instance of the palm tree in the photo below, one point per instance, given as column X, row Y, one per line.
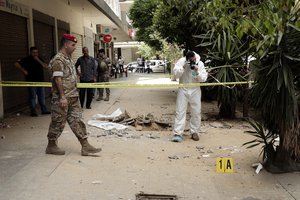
column 226, row 52
column 276, row 92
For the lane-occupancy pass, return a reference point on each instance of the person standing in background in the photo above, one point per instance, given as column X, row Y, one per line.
column 33, row 68
column 87, row 74
column 104, row 68
column 121, row 64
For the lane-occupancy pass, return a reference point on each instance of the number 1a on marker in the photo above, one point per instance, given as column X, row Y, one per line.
column 224, row 165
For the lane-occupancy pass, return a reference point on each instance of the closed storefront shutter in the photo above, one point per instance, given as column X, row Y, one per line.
column 43, row 29
column 44, row 39
column 13, row 46
column 78, row 51
column 62, row 28
column 60, row 33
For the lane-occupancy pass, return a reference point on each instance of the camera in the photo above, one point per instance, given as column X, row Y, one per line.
column 192, row 65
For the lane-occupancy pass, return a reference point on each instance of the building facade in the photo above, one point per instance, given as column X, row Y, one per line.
column 41, row 23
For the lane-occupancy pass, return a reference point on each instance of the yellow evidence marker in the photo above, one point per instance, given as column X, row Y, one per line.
column 224, row 165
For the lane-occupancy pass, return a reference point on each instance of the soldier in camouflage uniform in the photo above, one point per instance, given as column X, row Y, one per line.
column 65, row 106
column 104, row 67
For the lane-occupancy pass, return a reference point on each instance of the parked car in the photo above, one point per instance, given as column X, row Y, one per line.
column 156, row 66
column 132, row 66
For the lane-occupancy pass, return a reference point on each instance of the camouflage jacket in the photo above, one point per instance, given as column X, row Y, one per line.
column 63, row 66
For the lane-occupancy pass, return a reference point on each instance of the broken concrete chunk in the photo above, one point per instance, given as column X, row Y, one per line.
column 174, row 157
column 210, row 151
column 200, row 147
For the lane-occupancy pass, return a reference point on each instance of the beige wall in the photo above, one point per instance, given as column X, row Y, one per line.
column 59, row 10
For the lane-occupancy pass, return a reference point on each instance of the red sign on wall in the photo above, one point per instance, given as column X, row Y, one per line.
column 107, row 38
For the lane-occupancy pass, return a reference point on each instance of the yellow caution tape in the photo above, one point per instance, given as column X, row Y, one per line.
column 115, row 85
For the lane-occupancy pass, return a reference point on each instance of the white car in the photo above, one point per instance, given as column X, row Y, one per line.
column 131, row 66
column 156, row 66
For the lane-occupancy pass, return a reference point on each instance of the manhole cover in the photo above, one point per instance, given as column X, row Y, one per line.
column 155, row 197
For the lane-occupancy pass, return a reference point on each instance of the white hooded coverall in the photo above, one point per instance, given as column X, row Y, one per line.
column 191, row 95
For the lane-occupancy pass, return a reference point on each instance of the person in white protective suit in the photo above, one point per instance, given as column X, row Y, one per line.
column 188, row 69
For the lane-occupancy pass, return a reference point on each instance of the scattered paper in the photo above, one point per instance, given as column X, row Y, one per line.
column 259, row 167
column 108, row 126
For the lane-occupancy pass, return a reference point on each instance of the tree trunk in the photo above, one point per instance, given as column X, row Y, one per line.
column 246, row 101
column 227, row 111
column 282, row 162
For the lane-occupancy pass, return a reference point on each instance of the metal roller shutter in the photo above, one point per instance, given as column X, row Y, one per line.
column 60, row 33
column 62, row 28
column 78, row 51
column 44, row 39
column 13, row 46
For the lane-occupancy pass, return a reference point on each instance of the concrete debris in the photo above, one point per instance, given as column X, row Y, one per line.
column 232, row 149
column 138, row 128
column 236, row 151
column 120, row 134
column 164, row 121
column 141, row 122
column 4, row 125
column 153, row 136
column 97, row 182
column 173, row 157
column 209, row 151
column 134, row 137
column 221, row 125
column 128, row 121
column 115, row 115
column 203, row 131
column 200, row 147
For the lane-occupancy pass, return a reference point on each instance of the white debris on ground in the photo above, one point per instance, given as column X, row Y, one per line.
column 110, row 117
column 108, row 126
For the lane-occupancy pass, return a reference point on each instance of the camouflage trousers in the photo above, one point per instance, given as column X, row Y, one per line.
column 102, row 79
column 70, row 114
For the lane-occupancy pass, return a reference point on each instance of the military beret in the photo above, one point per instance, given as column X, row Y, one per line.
column 70, row 37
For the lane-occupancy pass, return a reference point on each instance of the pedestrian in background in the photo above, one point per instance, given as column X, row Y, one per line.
column 121, row 64
column 33, row 68
column 141, row 64
column 65, row 106
column 87, row 74
column 104, row 68
column 188, row 69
